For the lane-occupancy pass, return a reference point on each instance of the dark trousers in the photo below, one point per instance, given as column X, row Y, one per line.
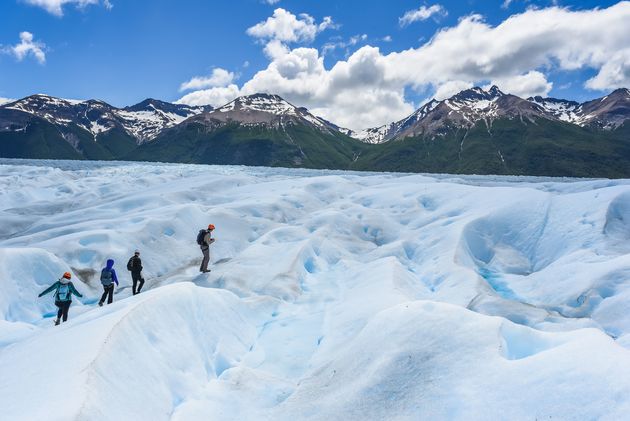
column 137, row 280
column 206, row 259
column 63, row 306
column 108, row 290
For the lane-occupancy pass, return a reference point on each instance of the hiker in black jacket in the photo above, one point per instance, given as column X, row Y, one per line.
column 134, row 265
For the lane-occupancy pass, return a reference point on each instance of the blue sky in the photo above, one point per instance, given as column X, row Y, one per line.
column 123, row 51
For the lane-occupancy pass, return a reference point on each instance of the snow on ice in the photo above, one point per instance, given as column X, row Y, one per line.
column 333, row 295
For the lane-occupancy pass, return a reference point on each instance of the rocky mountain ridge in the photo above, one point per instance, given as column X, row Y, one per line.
column 470, row 106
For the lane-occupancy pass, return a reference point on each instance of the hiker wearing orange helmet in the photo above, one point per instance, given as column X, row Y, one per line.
column 63, row 296
column 204, row 239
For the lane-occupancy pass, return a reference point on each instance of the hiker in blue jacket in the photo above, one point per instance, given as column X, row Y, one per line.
column 108, row 277
column 63, row 296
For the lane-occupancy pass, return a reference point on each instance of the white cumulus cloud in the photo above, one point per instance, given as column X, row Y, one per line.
column 283, row 28
column 422, row 13
column 368, row 88
column 27, row 47
column 355, row 93
column 450, row 88
column 529, row 84
column 218, row 78
column 212, row 96
column 286, row 27
column 339, row 43
column 55, row 7
column 614, row 73
column 506, row 3
column 541, row 39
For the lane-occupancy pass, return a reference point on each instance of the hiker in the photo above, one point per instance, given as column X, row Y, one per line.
column 108, row 277
column 63, row 296
column 204, row 239
column 134, row 265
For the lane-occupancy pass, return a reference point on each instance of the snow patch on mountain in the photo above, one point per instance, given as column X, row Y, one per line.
column 266, row 103
column 373, row 135
column 475, row 104
column 146, row 125
column 607, row 113
column 564, row 110
column 387, row 132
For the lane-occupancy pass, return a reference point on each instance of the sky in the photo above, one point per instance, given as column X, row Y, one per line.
column 357, row 63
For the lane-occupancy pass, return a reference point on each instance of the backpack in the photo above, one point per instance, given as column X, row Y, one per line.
column 130, row 264
column 200, row 237
column 106, row 277
column 63, row 292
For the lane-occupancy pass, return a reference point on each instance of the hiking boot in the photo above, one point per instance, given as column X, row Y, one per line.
column 57, row 322
column 100, row 304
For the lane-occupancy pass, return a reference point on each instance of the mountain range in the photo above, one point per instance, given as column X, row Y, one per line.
column 41, row 126
column 475, row 131
column 471, row 106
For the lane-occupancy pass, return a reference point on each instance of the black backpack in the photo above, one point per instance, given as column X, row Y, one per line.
column 200, row 237
column 130, row 264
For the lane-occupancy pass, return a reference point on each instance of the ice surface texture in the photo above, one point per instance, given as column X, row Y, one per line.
column 333, row 295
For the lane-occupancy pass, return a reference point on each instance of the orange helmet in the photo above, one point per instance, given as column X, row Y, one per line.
column 210, row 227
column 67, row 275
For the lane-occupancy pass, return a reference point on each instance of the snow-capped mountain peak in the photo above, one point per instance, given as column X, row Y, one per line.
column 608, row 112
column 495, row 91
column 477, row 94
column 383, row 133
column 148, row 118
column 475, row 103
column 142, row 121
column 153, row 105
column 462, row 110
column 267, row 109
column 37, row 102
column 267, row 103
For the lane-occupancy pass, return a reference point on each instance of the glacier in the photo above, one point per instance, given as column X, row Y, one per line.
column 333, row 295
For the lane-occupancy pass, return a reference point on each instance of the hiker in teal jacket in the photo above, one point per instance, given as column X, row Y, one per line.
column 63, row 296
